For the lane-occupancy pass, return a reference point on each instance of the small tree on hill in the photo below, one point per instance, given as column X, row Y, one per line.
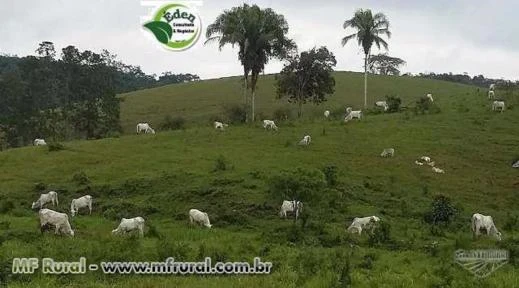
column 385, row 65
column 307, row 77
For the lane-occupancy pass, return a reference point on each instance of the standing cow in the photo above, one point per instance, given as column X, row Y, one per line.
column 56, row 219
column 82, row 202
column 199, row 217
column 51, row 197
column 480, row 221
column 294, row 206
column 131, row 224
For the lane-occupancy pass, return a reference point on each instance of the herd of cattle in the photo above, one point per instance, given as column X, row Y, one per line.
column 62, row 226
column 61, row 222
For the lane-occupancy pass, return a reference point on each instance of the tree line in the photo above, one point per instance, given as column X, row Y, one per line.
column 72, row 96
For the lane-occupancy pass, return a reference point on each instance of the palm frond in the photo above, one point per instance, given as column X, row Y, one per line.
column 348, row 38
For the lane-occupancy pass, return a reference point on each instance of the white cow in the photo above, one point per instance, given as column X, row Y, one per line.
column 516, row 164
column 418, row 163
column 305, row 141
column 425, row 158
column 295, row 207
column 82, row 202
column 52, row 196
column 269, row 124
column 382, row 104
column 39, row 142
column 492, row 87
column 326, row 114
column 491, row 94
column 57, row 219
column 498, row 104
column 219, row 125
column 362, row 223
column 430, row 97
column 145, row 127
column 438, row 170
column 199, row 217
column 388, row 152
column 130, row 224
column 480, row 221
column 350, row 115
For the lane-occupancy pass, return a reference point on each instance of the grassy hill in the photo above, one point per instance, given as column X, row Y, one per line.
column 162, row 176
column 201, row 102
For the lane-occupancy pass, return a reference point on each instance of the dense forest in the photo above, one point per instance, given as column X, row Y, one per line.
column 72, row 96
column 478, row 80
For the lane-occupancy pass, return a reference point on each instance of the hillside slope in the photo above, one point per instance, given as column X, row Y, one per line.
column 201, row 101
column 160, row 177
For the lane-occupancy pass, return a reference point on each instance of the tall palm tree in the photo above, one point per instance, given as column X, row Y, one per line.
column 260, row 35
column 370, row 29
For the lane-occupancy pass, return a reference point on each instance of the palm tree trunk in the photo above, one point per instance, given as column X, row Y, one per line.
column 245, row 96
column 252, row 104
column 366, row 81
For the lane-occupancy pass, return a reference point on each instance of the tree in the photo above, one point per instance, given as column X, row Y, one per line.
column 370, row 29
column 307, row 77
column 385, row 65
column 260, row 35
column 46, row 49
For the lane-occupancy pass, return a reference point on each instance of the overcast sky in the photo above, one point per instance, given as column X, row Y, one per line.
column 478, row 37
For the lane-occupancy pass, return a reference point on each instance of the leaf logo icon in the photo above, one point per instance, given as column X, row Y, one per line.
column 161, row 30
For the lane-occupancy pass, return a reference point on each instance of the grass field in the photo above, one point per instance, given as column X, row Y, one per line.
column 162, row 176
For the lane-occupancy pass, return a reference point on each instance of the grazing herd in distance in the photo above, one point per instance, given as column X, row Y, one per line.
column 62, row 226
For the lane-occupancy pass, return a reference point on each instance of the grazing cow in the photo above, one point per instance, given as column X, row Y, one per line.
column 516, row 164
column 388, row 152
column 219, row 125
column 382, row 104
column 145, row 127
column 358, row 224
column 431, row 163
column 491, row 94
column 350, row 115
column 295, row 207
column 430, row 97
column 52, row 196
column 492, row 87
column 82, row 202
column 130, row 224
column 418, row 163
column 425, row 158
column 57, row 219
column 326, row 114
column 480, row 221
column 39, row 142
column 498, row 104
column 199, row 217
column 269, row 124
column 438, row 170
column 306, row 140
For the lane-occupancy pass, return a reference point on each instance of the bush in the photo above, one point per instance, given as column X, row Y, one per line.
column 235, row 113
column 220, row 164
column 393, row 103
column 380, row 234
column 173, row 123
column 367, row 261
column 80, row 178
column 442, row 211
column 424, row 105
column 282, row 114
column 55, row 146
column 6, row 206
column 330, row 174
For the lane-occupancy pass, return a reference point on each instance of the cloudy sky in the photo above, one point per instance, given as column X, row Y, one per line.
column 477, row 37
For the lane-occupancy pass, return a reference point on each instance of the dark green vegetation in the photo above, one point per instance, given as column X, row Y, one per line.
column 235, row 176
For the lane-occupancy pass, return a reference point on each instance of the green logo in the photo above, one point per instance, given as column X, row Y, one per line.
column 176, row 26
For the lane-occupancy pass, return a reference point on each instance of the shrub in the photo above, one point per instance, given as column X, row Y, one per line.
column 300, row 184
column 235, row 113
column 80, row 178
column 393, row 103
column 367, row 261
column 380, row 234
column 424, row 105
column 173, row 123
column 330, row 174
column 220, row 164
column 38, row 187
column 282, row 114
column 442, row 211
column 55, row 146
column 6, row 206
